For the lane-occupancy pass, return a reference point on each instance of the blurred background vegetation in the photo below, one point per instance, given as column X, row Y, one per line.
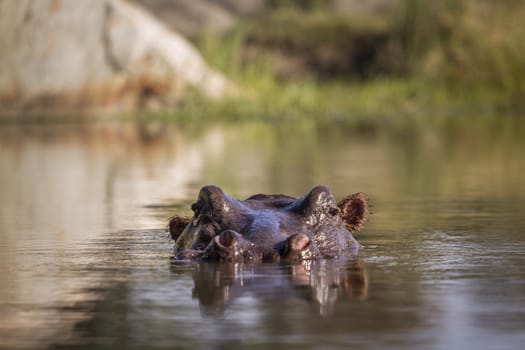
column 409, row 58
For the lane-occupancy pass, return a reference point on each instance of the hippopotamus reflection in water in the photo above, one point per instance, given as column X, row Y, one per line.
column 321, row 283
column 268, row 227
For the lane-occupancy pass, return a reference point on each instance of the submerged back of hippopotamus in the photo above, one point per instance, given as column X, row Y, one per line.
column 269, row 227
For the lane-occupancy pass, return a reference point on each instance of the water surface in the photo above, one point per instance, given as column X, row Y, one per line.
column 86, row 262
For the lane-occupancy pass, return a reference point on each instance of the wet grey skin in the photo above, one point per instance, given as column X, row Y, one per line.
column 268, row 227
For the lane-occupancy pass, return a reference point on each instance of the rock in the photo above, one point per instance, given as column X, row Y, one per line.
column 193, row 18
column 92, row 55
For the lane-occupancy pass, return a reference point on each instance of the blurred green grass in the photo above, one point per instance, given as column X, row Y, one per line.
column 426, row 60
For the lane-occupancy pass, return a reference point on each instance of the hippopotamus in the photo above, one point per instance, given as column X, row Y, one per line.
column 271, row 227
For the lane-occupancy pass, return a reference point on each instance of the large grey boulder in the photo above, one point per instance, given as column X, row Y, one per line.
column 109, row 54
column 195, row 17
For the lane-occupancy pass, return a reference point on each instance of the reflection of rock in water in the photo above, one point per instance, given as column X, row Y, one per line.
column 64, row 185
column 322, row 283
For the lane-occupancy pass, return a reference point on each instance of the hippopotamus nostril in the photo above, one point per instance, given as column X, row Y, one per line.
column 299, row 242
column 227, row 238
column 297, row 247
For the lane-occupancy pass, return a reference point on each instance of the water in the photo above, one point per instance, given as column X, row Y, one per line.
column 86, row 262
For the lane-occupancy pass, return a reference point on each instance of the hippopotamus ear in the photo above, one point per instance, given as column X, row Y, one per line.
column 176, row 225
column 354, row 211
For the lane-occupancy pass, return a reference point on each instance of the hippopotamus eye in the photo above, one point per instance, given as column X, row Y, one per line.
column 195, row 209
column 333, row 211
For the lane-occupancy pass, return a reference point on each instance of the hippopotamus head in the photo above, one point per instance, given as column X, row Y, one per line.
column 268, row 227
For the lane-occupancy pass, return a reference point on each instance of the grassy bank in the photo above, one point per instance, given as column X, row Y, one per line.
column 425, row 59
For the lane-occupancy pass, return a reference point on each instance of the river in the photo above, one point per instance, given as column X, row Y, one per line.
column 87, row 264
